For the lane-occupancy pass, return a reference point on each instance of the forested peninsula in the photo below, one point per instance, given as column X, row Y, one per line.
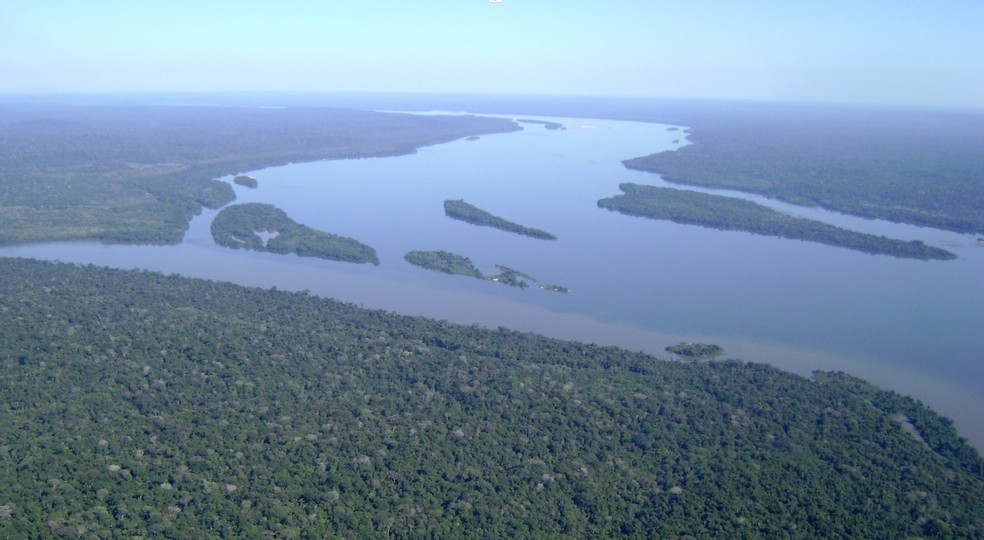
column 138, row 174
column 137, row 404
column 922, row 167
column 462, row 211
column 733, row 214
column 264, row 227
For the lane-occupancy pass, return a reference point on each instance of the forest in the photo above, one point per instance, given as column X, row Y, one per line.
column 137, row 174
column 264, row 227
column 733, row 214
column 138, row 404
column 462, row 211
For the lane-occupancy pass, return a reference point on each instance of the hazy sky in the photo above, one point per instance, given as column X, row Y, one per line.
column 928, row 52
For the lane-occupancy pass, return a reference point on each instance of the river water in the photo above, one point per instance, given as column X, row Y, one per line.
column 911, row 326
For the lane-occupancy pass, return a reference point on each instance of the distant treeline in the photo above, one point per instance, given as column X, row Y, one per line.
column 733, row 214
column 920, row 167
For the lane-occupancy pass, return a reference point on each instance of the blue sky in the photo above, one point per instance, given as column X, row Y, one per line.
column 863, row 51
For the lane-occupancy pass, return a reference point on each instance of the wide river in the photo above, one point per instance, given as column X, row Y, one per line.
column 911, row 326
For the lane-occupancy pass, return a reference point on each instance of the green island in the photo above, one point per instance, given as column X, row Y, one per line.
column 452, row 263
column 695, row 350
column 733, row 214
column 444, row 261
column 246, row 180
column 462, row 211
column 134, row 404
column 138, row 174
column 264, row 227
column 548, row 125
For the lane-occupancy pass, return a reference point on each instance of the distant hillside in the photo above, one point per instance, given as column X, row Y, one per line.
column 137, row 404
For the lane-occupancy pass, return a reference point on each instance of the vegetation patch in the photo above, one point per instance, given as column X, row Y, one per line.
column 452, row 263
column 444, row 261
column 696, row 351
column 733, row 214
column 264, row 227
column 246, row 180
column 462, row 211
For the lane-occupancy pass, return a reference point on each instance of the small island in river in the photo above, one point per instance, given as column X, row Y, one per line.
column 548, row 125
column 695, row 351
column 246, row 180
column 264, row 227
column 733, row 214
column 462, row 211
column 452, row 263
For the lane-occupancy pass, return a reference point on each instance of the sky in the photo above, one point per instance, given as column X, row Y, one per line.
column 897, row 52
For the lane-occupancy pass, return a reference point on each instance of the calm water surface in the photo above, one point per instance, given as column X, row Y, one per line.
column 912, row 326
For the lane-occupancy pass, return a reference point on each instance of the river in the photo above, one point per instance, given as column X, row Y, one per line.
column 911, row 326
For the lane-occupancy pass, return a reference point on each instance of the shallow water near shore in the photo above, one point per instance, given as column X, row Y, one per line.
column 906, row 325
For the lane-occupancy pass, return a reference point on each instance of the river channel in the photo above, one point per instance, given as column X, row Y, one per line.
column 911, row 326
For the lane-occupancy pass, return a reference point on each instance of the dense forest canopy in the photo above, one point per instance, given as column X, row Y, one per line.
column 137, row 174
column 137, row 404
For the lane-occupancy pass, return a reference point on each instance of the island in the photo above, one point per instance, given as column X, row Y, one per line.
column 548, row 125
column 452, row 263
column 695, row 351
column 733, row 214
column 264, row 227
column 444, row 261
column 462, row 211
column 246, row 180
